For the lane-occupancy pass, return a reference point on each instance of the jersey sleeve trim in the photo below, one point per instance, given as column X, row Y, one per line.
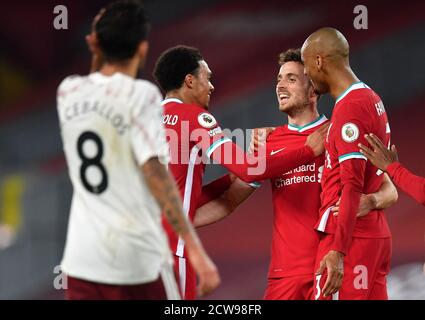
column 255, row 184
column 216, row 144
column 352, row 155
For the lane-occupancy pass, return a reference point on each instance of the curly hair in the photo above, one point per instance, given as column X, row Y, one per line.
column 174, row 64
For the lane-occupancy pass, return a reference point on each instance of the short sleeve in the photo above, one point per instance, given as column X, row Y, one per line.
column 147, row 130
column 353, row 122
column 205, row 131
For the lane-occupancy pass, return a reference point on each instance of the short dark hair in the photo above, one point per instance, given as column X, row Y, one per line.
column 293, row 55
column 121, row 28
column 174, row 64
column 290, row 55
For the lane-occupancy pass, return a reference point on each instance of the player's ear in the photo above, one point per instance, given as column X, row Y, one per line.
column 313, row 97
column 319, row 63
column 188, row 80
column 143, row 49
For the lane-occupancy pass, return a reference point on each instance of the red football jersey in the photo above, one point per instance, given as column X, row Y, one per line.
column 194, row 136
column 358, row 111
column 190, row 130
column 296, row 204
column 411, row 184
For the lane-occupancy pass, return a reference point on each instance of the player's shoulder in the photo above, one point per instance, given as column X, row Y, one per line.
column 145, row 97
column 193, row 108
column 178, row 107
column 278, row 134
column 358, row 94
column 197, row 116
column 147, row 85
column 70, row 82
column 356, row 102
column 279, row 130
column 203, row 117
column 191, row 111
column 146, row 88
column 364, row 95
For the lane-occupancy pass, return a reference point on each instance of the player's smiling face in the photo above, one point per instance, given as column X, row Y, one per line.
column 293, row 87
column 202, row 85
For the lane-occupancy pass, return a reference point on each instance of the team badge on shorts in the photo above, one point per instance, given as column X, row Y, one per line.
column 206, row 120
column 350, row 132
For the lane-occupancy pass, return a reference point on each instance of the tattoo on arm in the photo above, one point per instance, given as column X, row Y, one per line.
column 164, row 189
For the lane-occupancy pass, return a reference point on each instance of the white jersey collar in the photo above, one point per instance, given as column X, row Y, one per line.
column 308, row 126
column 171, row 100
column 354, row 86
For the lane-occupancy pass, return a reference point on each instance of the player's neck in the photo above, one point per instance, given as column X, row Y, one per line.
column 182, row 96
column 303, row 118
column 175, row 95
column 341, row 82
column 129, row 68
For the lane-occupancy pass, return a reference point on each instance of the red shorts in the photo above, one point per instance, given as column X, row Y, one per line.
column 163, row 288
column 366, row 267
column 186, row 278
column 290, row 288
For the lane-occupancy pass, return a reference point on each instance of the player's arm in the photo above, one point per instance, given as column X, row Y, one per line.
column 164, row 189
column 387, row 160
column 352, row 175
column 223, row 205
column 215, row 188
column 411, row 184
column 349, row 130
column 151, row 152
column 384, row 198
column 251, row 168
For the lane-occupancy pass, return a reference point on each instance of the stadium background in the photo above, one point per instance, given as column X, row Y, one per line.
column 240, row 40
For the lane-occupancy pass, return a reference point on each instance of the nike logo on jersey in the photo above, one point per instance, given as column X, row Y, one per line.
column 276, row 151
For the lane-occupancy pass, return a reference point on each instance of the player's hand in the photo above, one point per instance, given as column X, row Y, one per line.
column 91, row 38
column 380, row 157
column 259, row 137
column 333, row 262
column 316, row 140
column 208, row 276
column 93, row 44
column 367, row 204
column 232, row 177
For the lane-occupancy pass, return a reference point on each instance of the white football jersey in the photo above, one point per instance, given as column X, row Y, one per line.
column 110, row 125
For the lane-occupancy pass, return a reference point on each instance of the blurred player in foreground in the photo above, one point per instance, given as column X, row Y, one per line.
column 115, row 149
column 353, row 257
column 296, row 194
column 194, row 136
column 387, row 160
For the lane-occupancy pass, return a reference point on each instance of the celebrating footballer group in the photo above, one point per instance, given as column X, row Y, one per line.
column 131, row 233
